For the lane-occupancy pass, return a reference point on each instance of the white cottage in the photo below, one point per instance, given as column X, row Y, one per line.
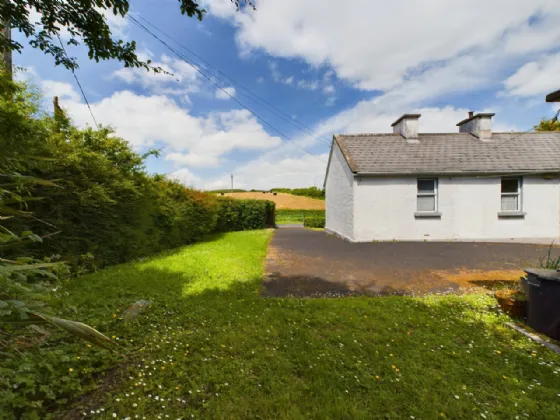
column 470, row 185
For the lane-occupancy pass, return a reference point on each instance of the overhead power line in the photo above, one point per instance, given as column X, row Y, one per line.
column 186, row 60
column 250, row 94
column 79, row 85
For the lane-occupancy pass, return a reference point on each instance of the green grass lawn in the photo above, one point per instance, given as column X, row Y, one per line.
column 288, row 216
column 210, row 347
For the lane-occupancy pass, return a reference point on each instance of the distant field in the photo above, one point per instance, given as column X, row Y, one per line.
column 283, row 201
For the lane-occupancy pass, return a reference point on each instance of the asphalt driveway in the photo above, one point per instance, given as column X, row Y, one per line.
column 303, row 262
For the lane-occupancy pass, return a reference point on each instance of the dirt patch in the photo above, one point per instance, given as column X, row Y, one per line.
column 283, row 201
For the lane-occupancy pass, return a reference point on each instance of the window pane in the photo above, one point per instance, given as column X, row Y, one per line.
column 426, row 203
column 510, row 185
column 426, row 185
column 510, row 202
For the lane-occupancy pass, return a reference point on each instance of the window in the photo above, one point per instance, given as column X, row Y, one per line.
column 426, row 198
column 511, row 194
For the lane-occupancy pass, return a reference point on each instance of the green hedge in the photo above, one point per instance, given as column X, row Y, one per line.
column 314, row 222
column 104, row 208
column 235, row 215
column 296, row 216
column 311, row 192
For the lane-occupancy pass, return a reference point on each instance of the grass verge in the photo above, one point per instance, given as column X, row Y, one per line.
column 286, row 216
column 210, row 347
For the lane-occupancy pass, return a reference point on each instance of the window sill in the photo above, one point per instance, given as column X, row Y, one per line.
column 508, row 214
column 427, row 215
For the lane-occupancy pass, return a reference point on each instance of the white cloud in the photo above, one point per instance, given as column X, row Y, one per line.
column 274, row 72
column 225, row 93
column 178, row 78
column 308, row 84
column 271, row 171
column 329, row 89
column 63, row 90
column 535, row 78
column 378, row 45
column 195, row 160
column 196, row 141
column 186, row 177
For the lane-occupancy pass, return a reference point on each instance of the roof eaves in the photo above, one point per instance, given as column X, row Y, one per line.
column 454, row 172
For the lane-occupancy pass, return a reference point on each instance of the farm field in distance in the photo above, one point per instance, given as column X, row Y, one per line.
column 282, row 200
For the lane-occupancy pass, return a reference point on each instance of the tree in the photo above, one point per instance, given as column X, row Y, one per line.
column 548, row 125
column 84, row 20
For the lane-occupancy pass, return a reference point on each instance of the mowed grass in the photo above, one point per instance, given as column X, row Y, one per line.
column 287, row 216
column 210, row 347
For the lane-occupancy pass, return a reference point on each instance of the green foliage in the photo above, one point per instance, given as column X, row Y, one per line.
column 312, row 192
column 235, row 215
column 84, row 21
column 105, row 206
column 314, row 222
column 547, row 125
column 549, row 261
column 296, row 216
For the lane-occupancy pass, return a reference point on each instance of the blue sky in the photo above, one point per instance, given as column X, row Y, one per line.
column 327, row 69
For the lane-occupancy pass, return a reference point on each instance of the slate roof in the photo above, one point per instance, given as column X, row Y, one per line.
column 385, row 154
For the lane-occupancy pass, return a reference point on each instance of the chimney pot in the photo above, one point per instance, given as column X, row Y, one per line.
column 407, row 126
column 479, row 125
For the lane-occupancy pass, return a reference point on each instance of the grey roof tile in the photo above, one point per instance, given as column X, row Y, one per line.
column 452, row 153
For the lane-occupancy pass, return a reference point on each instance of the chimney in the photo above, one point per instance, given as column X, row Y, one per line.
column 479, row 125
column 407, row 126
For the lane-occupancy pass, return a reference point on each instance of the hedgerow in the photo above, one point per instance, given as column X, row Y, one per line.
column 105, row 207
column 314, row 222
column 312, row 192
column 235, row 215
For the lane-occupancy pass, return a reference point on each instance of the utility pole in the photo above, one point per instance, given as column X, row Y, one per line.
column 231, row 182
column 7, row 53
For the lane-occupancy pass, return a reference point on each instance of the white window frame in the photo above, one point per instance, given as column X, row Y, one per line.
column 434, row 194
column 518, row 194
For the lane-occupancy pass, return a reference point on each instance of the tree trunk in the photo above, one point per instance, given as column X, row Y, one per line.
column 7, row 54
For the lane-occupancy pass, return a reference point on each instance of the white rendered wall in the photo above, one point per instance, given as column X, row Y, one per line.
column 469, row 207
column 339, row 196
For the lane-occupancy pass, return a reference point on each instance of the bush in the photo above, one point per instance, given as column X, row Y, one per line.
column 314, row 222
column 296, row 216
column 235, row 215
